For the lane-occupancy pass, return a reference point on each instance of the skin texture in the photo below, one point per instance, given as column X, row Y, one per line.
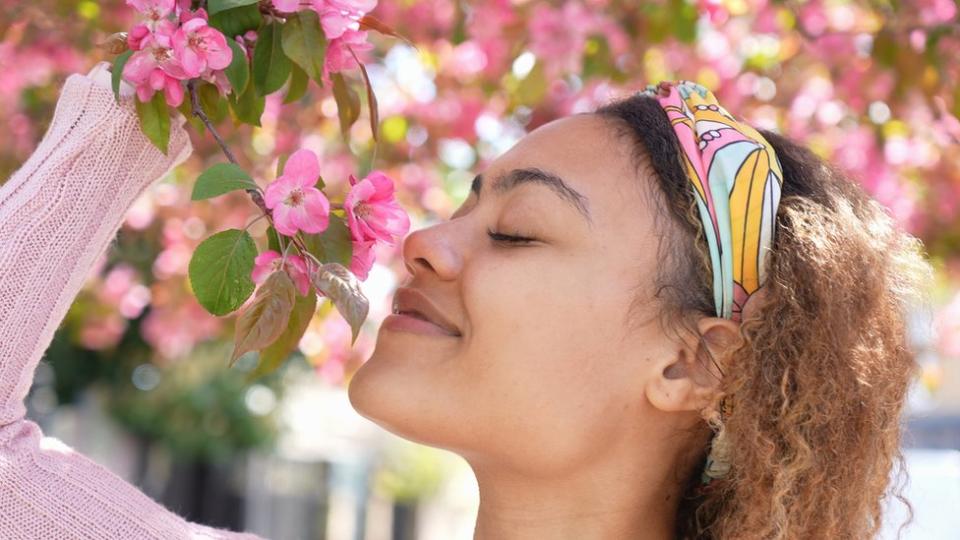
column 578, row 420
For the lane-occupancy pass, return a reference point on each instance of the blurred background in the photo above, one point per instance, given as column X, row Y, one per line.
column 135, row 377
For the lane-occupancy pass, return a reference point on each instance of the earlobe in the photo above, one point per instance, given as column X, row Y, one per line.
column 676, row 386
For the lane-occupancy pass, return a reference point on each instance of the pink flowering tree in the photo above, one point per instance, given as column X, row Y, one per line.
column 219, row 58
column 872, row 86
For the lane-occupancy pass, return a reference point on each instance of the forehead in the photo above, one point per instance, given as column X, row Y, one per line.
column 590, row 155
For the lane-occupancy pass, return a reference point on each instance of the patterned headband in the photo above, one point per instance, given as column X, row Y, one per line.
column 737, row 178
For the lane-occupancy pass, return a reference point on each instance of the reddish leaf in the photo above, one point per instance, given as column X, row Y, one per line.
column 264, row 319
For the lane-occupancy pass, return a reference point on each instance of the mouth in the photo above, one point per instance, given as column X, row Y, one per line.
column 415, row 322
column 414, row 312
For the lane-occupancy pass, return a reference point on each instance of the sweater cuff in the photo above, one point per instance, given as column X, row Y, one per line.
column 86, row 106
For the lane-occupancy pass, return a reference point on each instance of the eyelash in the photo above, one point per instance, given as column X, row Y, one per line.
column 509, row 239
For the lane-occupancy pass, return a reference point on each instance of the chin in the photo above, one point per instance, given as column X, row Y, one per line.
column 403, row 395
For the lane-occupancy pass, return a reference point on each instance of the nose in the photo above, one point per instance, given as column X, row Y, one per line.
column 433, row 250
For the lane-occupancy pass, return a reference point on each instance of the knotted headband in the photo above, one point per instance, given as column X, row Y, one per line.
column 737, row 179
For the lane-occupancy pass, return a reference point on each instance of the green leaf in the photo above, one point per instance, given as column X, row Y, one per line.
column 343, row 288
column 212, row 103
column 264, row 319
column 533, row 88
column 304, row 42
column 236, row 21
column 281, row 163
column 248, row 106
column 956, row 100
column 219, row 179
column 334, row 244
column 271, row 67
column 220, row 271
column 155, row 120
column 298, row 84
column 371, row 98
column 885, row 47
column 276, row 353
column 116, row 72
column 684, row 20
column 348, row 103
column 273, row 240
column 216, row 6
column 238, row 72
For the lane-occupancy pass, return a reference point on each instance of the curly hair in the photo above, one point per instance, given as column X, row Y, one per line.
column 817, row 386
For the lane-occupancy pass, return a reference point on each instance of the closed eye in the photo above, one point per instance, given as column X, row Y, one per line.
column 508, row 238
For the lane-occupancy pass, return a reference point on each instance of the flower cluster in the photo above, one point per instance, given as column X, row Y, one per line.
column 340, row 20
column 372, row 213
column 172, row 45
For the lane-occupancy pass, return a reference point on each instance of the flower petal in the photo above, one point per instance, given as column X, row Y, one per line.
column 287, row 6
column 282, row 220
column 276, row 192
column 262, row 265
column 139, row 67
column 303, row 167
column 316, row 211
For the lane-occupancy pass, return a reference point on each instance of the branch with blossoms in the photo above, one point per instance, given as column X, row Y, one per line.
column 221, row 58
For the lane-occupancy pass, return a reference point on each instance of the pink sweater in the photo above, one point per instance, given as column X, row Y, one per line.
column 58, row 213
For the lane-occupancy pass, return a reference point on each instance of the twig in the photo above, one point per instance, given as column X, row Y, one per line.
column 255, row 194
column 197, row 111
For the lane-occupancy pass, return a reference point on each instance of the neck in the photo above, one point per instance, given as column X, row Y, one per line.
column 613, row 499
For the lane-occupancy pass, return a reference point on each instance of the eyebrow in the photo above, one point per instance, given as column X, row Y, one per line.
column 506, row 181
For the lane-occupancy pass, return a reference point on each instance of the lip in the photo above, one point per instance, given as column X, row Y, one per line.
column 414, row 312
column 408, row 323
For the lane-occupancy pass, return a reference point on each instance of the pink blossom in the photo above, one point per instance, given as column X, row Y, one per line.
column 136, row 35
column 813, row 18
column 153, row 9
column 715, row 10
column 286, row 6
column 372, row 212
column 340, row 16
column 186, row 15
column 338, row 56
column 363, row 258
column 102, row 331
column 199, row 47
column 296, row 202
column 219, row 79
column 173, row 328
column 936, row 11
column 558, row 36
column 270, row 261
column 155, row 66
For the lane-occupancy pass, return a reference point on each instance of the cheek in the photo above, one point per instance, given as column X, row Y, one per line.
column 544, row 335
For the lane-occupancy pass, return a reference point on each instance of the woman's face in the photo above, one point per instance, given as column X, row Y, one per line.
column 548, row 368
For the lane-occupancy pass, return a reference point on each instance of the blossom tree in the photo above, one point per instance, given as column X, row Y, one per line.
column 231, row 60
column 870, row 85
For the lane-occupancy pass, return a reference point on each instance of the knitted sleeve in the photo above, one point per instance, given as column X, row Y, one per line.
column 58, row 213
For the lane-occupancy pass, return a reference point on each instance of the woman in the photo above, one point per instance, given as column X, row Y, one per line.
column 576, row 348
column 578, row 362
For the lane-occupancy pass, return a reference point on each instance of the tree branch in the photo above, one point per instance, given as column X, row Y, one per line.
column 255, row 194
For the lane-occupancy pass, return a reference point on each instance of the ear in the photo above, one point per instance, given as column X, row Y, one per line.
column 686, row 378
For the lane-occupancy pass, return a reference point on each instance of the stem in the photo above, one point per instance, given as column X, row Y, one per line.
column 256, row 219
column 283, row 259
column 197, row 111
column 255, row 194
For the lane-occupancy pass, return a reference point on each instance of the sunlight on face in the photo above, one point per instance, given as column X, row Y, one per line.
column 545, row 372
